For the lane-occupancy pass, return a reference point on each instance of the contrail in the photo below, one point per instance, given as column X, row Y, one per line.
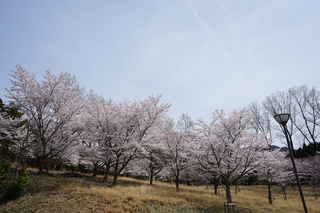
column 209, row 30
column 222, row 49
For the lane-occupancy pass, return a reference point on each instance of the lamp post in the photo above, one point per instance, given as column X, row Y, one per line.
column 283, row 119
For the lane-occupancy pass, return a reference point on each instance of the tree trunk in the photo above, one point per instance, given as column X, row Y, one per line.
column 177, row 181
column 115, row 179
column 106, row 173
column 284, row 192
column 151, row 178
column 216, row 185
column 177, row 184
column 95, row 170
column 48, row 165
column 237, row 189
column 96, row 167
column 16, row 174
column 228, row 191
column 41, row 165
column 40, row 169
column 315, row 191
column 105, row 178
column 269, row 194
column 115, row 176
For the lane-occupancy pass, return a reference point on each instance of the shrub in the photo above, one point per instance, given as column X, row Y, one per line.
column 16, row 188
column 4, row 174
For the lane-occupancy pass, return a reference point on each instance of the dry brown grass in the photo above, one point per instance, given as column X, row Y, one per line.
column 82, row 193
column 255, row 197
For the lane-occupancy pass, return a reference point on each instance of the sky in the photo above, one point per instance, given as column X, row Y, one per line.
column 200, row 55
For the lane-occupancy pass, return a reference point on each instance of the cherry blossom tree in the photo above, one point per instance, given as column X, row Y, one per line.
column 136, row 123
column 121, row 130
column 177, row 139
column 309, row 169
column 100, row 122
column 274, row 163
column 152, row 160
column 285, row 179
column 150, row 164
column 52, row 107
column 91, row 154
column 230, row 147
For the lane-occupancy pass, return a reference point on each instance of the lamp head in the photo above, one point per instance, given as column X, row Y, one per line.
column 282, row 118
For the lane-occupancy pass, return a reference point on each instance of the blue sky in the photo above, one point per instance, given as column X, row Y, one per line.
column 201, row 55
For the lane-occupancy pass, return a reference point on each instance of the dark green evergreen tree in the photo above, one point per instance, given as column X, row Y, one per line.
column 307, row 150
column 11, row 185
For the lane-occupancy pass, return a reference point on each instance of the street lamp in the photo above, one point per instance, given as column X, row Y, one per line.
column 283, row 119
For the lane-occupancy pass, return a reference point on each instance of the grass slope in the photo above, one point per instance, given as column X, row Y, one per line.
column 79, row 193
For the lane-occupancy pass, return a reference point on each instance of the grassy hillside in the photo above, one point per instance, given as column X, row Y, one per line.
column 78, row 193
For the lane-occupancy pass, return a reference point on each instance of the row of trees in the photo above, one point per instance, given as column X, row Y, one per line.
column 59, row 124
